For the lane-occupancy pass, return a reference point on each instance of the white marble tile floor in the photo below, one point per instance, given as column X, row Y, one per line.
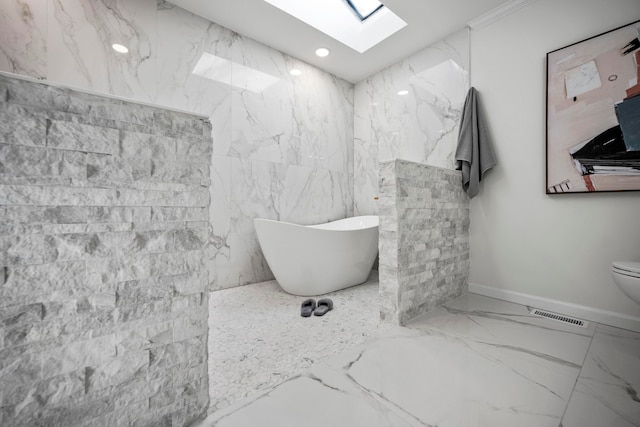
column 476, row 361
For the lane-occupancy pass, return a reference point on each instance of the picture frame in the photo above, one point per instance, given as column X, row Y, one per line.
column 593, row 114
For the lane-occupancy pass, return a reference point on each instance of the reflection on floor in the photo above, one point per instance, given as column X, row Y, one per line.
column 474, row 362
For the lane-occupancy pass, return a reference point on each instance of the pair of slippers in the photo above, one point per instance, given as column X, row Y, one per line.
column 322, row 307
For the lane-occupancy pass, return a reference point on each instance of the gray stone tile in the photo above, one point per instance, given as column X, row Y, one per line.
column 176, row 124
column 142, row 291
column 155, row 309
column 122, row 111
column 50, row 282
column 129, row 367
column 135, row 144
column 191, row 239
column 56, row 196
column 197, row 150
column 170, row 264
column 19, row 315
column 43, row 96
column 78, row 355
column 188, row 283
column 85, row 138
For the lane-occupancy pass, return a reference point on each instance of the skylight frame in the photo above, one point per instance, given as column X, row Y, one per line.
column 333, row 18
column 358, row 12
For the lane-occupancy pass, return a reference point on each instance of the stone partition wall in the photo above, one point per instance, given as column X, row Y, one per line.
column 424, row 238
column 104, row 209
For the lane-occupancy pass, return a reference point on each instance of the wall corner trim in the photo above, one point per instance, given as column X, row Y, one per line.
column 497, row 13
column 592, row 314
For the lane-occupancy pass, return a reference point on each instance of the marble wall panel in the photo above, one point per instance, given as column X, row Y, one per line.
column 264, row 126
column 303, row 120
column 419, row 126
column 218, row 251
column 23, row 31
column 182, row 41
column 79, row 52
column 365, row 155
column 326, row 103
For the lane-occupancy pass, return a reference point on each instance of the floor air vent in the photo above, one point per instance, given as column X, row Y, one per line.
column 560, row 318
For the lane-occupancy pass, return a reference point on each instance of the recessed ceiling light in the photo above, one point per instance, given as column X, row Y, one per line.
column 403, row 92
column 322, row 52
column 295, row 72
column 119, row 48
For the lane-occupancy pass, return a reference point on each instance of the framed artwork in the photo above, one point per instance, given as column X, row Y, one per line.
column 593, row 114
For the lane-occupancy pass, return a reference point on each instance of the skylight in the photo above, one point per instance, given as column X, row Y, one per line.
column 337, row 19
column 364, row 8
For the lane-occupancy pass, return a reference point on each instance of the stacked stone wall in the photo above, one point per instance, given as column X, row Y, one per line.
column 424, row 239
column 104, row 221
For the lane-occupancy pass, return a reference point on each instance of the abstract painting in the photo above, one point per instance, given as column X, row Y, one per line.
column 593, row 114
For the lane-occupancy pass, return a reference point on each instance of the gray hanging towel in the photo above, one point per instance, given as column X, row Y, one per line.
column 474, row 155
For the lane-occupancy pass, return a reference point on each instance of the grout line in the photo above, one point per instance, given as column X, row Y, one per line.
column 573, row 389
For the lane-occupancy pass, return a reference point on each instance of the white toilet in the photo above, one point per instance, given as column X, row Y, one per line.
column 626, row 274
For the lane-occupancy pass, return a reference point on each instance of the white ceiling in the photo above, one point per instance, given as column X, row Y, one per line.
column 428, row 21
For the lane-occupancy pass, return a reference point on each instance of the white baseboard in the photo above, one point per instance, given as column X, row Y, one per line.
column 583, row 312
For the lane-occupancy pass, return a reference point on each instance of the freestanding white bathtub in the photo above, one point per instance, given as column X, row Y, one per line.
column 318, row 259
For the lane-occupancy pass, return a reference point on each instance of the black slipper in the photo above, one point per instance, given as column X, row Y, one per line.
column 307, row 307
column 324, row 305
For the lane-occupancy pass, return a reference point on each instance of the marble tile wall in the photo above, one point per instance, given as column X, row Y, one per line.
column 424, row 239
column 420, row 126
column 284, row 153
column 104, row 208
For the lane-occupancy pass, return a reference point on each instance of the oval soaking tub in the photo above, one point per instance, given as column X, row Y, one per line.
column 310, row 260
